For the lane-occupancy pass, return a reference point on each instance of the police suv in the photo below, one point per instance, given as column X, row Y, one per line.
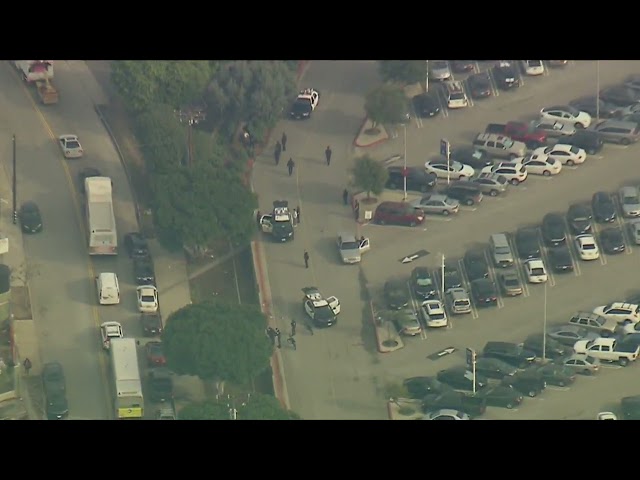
column 323, row 312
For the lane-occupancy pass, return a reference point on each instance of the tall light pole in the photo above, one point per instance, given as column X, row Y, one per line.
column 544, row 327
column 404, row 170
column 442, row 274
column 597, row 90
column 15, row 184
column 426, row 78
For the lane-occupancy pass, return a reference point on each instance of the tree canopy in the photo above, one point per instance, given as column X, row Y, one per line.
column 369, row 175
column 402, row 71
column 386, row 104
column 256, row 407
column 217, row 341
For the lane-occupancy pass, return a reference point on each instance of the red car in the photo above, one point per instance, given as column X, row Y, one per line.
column 524, row 132
column 155, row 354
column 398, row 213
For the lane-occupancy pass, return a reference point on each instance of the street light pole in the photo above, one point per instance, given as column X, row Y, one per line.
column 15, row 183
column 544, row 327
column 426, row 81
column 442, row 273
column 448, row 166
column 597, row 90
column 404, row 170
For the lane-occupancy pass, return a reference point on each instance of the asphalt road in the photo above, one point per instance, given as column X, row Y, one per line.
column 64, row 297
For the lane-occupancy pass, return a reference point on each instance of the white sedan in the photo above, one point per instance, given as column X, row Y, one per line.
column 540, row 164
column 147, row 299
column 533, row 67
column 587, row 247
column 70, row 146
column 565, row 154
column 567, row 114
column 536, row 271
column 454, row 170
column 433, row 313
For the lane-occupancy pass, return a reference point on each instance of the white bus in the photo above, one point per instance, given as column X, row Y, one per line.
column 101, row 222
column 33, row 70
column 129, row 402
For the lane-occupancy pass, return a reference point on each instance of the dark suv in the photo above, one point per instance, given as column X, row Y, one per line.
column 469, row 404
column 136, row 245
column 529, row 383
column 466, row 193
column 54, row 384
column 398, row 213
column 512, row 353
column 418, row 179
column 151, row 324
column 143, row 271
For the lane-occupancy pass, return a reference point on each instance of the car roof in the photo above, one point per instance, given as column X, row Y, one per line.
column 347, row 237
column 535, row 262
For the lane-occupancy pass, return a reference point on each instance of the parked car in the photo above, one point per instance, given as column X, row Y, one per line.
column 617, row 131
column 480, row 85
column 620, row 95
column 566, row 154
column 426, row 105
column 512, row 353
column 535, row 270
column 439, row 70
column 417, row 179
column 581, row 363
column 612, row 240
column 515, row 173
column 465, row 192
column 634, row 227
column 629, row 197
column 484, row 292
column 540, row 165
column 30, row 217
column 588, row 140
column 556, row 374
column 533, row 67
column 155, row 354
column 420, row 387
column 579, row 217
column 604, row 210
column 438, row 204
column 476, row 265
column 398, row 213
column 449, row 170
column 452, row 276
column 136, row 245
column 490, row 183
column 529, row 383
column 446, row 414
column 406, row 322
column 506, row 75
column 151, row 324
column 553, row 229
column 434, row 314
column 590, row 105
column 501, row 396
column 552, row 348
column 463, row 66
column 462, row 379
column 570, row 334
column 554, row 128
column 494, row 368
column 560, row 260
column 510, row 283
column 476, row 159
column 396, row 293
column 470, row 404
column 603, row 326
column 422, row 283
column 567, row 114
column 527, row 243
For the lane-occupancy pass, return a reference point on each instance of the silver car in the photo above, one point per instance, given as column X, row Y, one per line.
column 439, row 70
column 570, row 334
column 581, row 363
column 491, row 183
column 352, row 248
column 437, row 203
column 634, row 226
column 630, row 201
column 555, row 129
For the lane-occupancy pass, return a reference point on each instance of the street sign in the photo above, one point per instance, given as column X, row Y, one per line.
column 471, row 356
column 413, row 256
column 445, row 148
column 441, row 353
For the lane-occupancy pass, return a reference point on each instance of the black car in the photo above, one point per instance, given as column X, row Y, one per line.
column 160, row 385
column 506, row 76
column 620, row 95
column 630, row 407
column 484, row 292
column 418, row 180
column 588, row 140
column 420, row 387
column 54, row 385
column 579, row 218
column 556, row 375
column 527, row 243
column 604, row 210
column 136, row 245
column 494, row 368
column 612, row 240
column 590, row 105
column 461, row 378
column 465, row 192
column 452, row 277
column 396, row 293
column 143, row 271
column 475, row 262
column 30, row 217
column 151, row 324
column 553, row 348
column 87, row 173
column 478, row 159
column 462, row 66
column 529, row 382
column 560, row 260
column 480, row 85
column 422, row 283
column 472, row 405
column 513, row 353
column 501, row 396
column 553, row 229
column 426, row 105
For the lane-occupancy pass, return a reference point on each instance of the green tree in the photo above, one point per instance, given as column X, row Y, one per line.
column 184, row 82
column 137, row 82
column 207, row 410
column 217, row 341
column 162, row 138
column 402, row 71
column 386, row 104
column 369, row 175
column 256, row 407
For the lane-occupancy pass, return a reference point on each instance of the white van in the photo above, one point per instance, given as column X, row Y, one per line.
column 108, row 289
column 456, row 98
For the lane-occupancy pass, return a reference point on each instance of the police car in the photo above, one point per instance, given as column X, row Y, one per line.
column 278, row 224
column 323, row 312
column 306, row 103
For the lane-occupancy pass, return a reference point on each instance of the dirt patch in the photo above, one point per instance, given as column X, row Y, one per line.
column 20, row 303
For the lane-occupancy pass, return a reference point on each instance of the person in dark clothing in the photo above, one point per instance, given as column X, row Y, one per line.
column 345, row 196
column 258, row 217
column 356, row 211
column 284, row 142
column 292, row 341
column 298, row 220
column 293, row 328
column 306, row 259
column 277, row 152
column 271, row 333
column 290, row 166
column 277, row 337
column 27, row 365
column 327, row 154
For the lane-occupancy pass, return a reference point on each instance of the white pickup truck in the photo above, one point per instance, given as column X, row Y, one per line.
column 608, row 350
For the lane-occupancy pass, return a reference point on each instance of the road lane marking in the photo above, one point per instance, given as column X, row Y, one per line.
column 545, row 260
column 467, row 287
column 596, row 238
column 80, row 220
column 416, row 310
column 620, row 221
column 494, row 86
column 494, row 279
column 570, row 246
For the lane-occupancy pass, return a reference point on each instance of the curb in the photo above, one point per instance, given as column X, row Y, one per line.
column 372, row 144
column 375, row 328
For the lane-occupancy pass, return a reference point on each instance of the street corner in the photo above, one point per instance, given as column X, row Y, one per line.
column 404, row 409
column 369, row 136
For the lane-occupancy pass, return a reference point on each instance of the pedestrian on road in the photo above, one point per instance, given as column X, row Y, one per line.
column 297, row 210
column 258, row 217
column 27, row 365
column 277, row 152
column 292, row 341
column 327, row 154
column 290, row 166
column 356, row 211
column 277, row 337
column 284, row 142
column 293, row 328
column 345, row 196
column 306, row 259
column 271, row 333
column 295, row 217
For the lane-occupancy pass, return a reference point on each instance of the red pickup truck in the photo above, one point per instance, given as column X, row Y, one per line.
column 520, row 131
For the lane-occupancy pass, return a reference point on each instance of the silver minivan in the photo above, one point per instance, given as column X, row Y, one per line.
column 458, row 300
column 501, row 250
column 618, row 131
column 499, row 146
column 630, row 201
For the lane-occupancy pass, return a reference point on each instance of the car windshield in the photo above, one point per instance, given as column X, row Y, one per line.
column 511, row 282
column 436, row 316
column 424, row 281
column 72, row 144
column 588, row 246
column 323, row 313
column 508, row 143
column 350, row 245
column 631, row 200
column 590, row 360
column 537, row 271
column 503, row 250
column 457, row 96
column 575, row 150
column 148, row 298
column 573, row 111
column 580, row 219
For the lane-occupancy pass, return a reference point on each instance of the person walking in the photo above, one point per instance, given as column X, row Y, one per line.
column 283, row 140
column 345, row 196
column 277, row 152
column 297, row 210
column 356, row 211
column 290, row 166
column 292, row 341
column 277, row 338
column 327, row 154
column 295, row 217
column 27, row 365
column 306, row 259
column 271, row 333
column 293, row 328
column 258, row 217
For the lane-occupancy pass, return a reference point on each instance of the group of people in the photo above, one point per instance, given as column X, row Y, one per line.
column 281, row 146
column 274, row 336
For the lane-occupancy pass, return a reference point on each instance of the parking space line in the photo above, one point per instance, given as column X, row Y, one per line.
column 494, row 86
column 476, row 67
column 545, row 258
column 416, row 117
column 516, row 69
column 416, row 310
column 596, row 237
column 467, row 287
column 517, row 263
column 546, row 68
column 442, row 102
column 493, row 277
column 467, row 92
column 575, row 257
column 623, row 226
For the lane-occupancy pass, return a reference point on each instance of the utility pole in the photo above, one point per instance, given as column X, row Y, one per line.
column 597, row 91
column 191, row 116
column 404, row 169
column 426, row 81
column 15, row 184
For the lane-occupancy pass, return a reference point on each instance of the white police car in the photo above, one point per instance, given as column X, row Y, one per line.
column 305, row 103
column 323, row 312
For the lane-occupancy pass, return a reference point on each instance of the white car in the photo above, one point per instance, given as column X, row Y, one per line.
column 567, row 114
column 587, row 247
column 607, row 416
column 621, row 312
column 540, row 164
column 434, row 314
column 515, row 173
column 439, row 70
column 109, row 330
column 536, row 271
column 631, row 328
column 454, row 170
column 565, row 154
column 533, row 67
column 147, row 299
column 70, row 146
column 446, row 414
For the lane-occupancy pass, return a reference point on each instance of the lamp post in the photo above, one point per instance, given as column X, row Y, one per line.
column 597, row 90
column 404, row 170
column 544, row 327
column 15, row 183
column 442, row 274
column 426, row 78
